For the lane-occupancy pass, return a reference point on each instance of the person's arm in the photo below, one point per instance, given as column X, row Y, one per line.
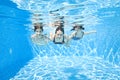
column 40, row 40
column 33, row 35
column 67, row 41
column 47, row 37
column 93, row 31
column 51, row 36
column 33, row 38
column 72, row 35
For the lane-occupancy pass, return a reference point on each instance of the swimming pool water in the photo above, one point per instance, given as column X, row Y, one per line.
column 95, row 57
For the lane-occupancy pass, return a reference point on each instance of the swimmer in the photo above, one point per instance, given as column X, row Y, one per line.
column 38, row 37
column 59, row 37
column 79, row 33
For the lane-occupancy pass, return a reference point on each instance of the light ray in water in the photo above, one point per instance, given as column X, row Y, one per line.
column 68, row 68
column 96, row 56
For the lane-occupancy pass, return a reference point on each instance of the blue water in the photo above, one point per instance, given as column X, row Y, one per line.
column 94, row 57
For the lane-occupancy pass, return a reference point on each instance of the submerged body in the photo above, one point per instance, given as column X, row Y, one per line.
column 38, row 37
column 79, row 33
column 59, row 37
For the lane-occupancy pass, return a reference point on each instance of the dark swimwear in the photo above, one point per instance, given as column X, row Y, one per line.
column 59, row 42
column 78, row 38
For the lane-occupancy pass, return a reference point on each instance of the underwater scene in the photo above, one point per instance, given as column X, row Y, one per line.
column 46, row 40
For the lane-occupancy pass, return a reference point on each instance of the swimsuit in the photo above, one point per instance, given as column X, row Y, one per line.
column 78, row 38
column 58, row 42
column 75, row 38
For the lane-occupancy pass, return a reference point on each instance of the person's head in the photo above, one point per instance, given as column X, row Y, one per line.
column 59, row 35
column 59, row 29
column 78, row 27
column 38, row 28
